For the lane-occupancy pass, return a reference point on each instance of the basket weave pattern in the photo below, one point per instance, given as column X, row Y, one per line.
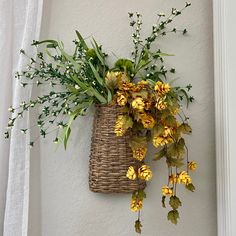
column 110, row 156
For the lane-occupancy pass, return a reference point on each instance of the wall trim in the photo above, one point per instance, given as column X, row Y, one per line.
column 221, row 120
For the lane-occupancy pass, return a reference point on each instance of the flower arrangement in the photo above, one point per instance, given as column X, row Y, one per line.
column 149, row 102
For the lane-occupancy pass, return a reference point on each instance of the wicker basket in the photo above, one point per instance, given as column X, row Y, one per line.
column 110, row 156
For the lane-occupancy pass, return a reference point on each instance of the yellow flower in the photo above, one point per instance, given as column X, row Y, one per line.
column 136, row 205
column 126, row 86
column 173, row 179
column 162, row 88
column 138, row 104
column 123, row 123
column 161, row 141
column 167, row 132
column 147, row 121
column 166, row 191
column 141, row 85
column 184, row 178
column 114, row 78
column 119, row 126
column 139, row 153
column 131, row 173
column 192, row 165
column 144, row 172
column 121, row 99
column 161, row 104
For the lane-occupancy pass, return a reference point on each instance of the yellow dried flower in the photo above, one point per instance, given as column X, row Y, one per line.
column 126, row 86
column 121, row 99
column 131, row 173
column 119, row 126
column 114, row 78
column 161, row 141
column 162, row 88
column 161, row 104
column 192, row 165
column 139, row 153
column 144, row 172
column 167, row 191
column 111, row 79
column 136, row 205
column 167, row 132
column 123, row 122
column 138, row 104
column 184, row 178
column 148, row 105
column 173, row 179
column 147, row 120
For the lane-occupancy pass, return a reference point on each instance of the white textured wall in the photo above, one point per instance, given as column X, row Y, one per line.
column 61, row 203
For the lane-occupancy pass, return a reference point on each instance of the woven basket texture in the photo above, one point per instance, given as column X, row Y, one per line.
column 110, row 155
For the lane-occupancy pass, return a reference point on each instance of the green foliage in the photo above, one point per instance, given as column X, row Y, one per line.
column 175, row 202
column 190, row 187
column 138, row 226
column 173, row 216
column 124, row 65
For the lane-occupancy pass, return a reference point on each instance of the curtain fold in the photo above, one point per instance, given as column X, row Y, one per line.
column 20, row 23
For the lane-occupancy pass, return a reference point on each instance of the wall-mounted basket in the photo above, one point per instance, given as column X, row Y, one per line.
column 110, row 156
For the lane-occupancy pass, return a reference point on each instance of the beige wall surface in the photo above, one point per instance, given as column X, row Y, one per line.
column 60, row 201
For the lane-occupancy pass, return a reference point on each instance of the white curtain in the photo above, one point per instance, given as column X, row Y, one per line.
column 19, row 24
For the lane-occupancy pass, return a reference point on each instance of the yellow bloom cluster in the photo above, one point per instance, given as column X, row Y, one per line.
column 161, row 140
column 136, row 205
column 147, row 120
column 138, row 104
column 192, row 165
column 144, row 172
column 139, row 153
column 153, row 112
column 114, row 79
column 173, row 179
column 167, row 191
column 161, row 104
column 184, row 178
column 121, row 99
column 162, row 88
column 131, row 174
column 119, row 126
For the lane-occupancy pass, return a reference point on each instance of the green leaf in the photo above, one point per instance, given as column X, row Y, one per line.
column 67, row 130
column 98, row 52
column 158, row 130
column 81, row 39
column 70, row 59
column 186, row 96
column 170, row 121
column 96, row 75
column 66, row 138
column 185, row 128
column 163, row 201
column 49, row 41
column 162, row 54
column 97, row 95
column 109, row 95
column 160, row 154
column 175, row 202
column 173, row 216
column 138, row 226
column 190, row 187
column 139, row 195
column 174, row 162
column 176, row 149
